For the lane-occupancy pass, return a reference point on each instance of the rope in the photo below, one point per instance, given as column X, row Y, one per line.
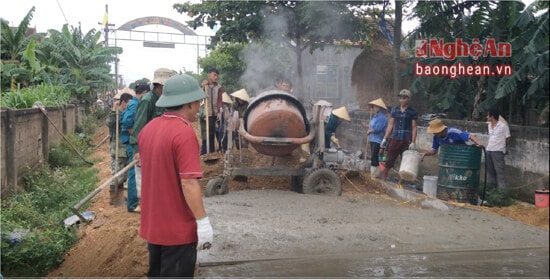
column 529, row 183
column 359, row 190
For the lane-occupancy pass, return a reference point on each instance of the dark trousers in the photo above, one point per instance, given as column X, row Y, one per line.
column 172, row 261
column 211, row 135
column 395, row 149
column 327, row 141
column 374, row 150
column 239, row 142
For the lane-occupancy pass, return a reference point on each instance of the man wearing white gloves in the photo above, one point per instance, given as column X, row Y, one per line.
column 402, row 129
column 173, row 218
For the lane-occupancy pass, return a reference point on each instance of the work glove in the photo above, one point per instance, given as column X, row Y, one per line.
column 412, row 146
column 205, row 234
column 334, row 140
column 383, row 143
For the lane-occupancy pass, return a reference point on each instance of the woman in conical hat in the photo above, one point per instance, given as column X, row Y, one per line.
column 242, row 95
column 226, row 98
column 334, row 121
column 221, row 129
column 241, row 103
column 375, row 133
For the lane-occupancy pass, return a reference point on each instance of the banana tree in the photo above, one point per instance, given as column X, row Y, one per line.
column 14, row 45
column 79, row 61
column 500, row 21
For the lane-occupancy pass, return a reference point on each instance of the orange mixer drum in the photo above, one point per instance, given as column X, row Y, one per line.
column 276, row 114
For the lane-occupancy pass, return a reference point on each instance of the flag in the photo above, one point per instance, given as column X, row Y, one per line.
column 105, row 19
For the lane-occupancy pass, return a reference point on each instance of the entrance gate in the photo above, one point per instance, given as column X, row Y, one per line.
column 151, row 39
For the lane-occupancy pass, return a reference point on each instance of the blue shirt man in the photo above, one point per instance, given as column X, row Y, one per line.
column 447, row 135
column 402, row 128
column 127, row 125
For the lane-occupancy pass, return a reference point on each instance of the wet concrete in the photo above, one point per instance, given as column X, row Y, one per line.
column 269, row 233
column 499, row 263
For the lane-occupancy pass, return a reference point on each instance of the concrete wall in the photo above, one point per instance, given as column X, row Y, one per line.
column 527, row 163
column 26, row 135
column 343, row 59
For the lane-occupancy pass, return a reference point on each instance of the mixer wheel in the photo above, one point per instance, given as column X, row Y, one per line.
column 216, row 186
column 322, row 181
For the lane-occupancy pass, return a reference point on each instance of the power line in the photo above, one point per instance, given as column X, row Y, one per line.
column 59, row 5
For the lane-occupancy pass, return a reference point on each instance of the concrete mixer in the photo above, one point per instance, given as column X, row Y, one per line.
column 275, row 124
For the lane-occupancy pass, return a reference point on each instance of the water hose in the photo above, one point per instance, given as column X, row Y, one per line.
column 484, row 177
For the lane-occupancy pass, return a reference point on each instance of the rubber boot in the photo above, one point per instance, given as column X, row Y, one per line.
column 374, row 172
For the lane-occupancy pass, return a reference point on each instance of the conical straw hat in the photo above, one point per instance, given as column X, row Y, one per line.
column 226, row 98
column 342, row 113
column 380, row 103
column 241, row 94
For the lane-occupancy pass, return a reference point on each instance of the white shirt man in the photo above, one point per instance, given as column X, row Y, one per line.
column 499, row 135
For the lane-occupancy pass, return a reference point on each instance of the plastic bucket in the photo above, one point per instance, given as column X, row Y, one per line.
column 382, row 166
column 409, row 165
column 430, row 185
column 541, row 198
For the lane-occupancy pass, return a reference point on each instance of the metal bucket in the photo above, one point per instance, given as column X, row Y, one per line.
column 275, row 123
column 458, row 178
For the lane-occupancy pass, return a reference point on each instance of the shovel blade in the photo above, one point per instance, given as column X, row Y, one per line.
column 116, row 198
column 212, row 157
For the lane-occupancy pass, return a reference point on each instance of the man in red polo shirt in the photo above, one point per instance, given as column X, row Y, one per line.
column 173, row 218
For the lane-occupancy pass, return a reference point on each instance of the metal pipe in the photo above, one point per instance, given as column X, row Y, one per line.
column 76, row 208
column 265, row 140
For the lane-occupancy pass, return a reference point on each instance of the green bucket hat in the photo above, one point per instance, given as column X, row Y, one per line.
column 180, row 89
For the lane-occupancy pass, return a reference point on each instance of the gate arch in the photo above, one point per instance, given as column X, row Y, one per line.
column 131, row 25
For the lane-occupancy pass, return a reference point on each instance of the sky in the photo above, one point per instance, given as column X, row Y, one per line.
column 136, row 61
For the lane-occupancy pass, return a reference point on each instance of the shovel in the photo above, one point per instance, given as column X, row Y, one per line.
column 76, row 209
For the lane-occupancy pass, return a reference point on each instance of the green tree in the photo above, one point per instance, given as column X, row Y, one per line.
column 14, row 46
column 502, row 21
column 78, row 61
column 396, row 50
column 529, row 83
column 227, row 59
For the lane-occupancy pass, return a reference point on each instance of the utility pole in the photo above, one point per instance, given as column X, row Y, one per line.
column 106, row 30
